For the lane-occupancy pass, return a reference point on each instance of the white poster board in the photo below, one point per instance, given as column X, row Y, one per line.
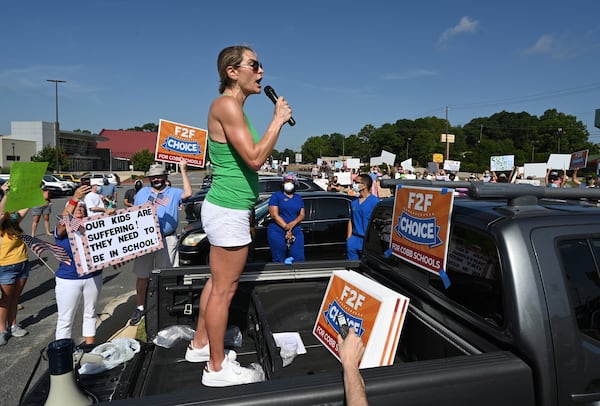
column 388, row 157
column 536, row 170
column 407, row 165
column 375, row 160
column 502, row 163
column 450, row 165
column 353, row 163
column 106, row 240
column 558, row 161
column 344, row 178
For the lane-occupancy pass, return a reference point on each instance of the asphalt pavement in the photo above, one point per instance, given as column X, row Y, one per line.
column 38, row 317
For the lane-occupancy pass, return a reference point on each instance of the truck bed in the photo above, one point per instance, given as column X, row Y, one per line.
column 432, row 364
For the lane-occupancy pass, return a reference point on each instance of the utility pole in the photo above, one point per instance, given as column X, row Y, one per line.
column 447, row 140
column 56, row 125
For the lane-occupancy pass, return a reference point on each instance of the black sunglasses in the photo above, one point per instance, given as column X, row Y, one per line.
column 254, row 65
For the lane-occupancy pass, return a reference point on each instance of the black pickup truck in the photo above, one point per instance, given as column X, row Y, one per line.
column 518, row 325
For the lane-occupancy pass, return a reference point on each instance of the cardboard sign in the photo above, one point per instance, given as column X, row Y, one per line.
column 558, row 161
column 179, row 141
column 104, row 240
column 25, row 180
column 578, row 159
column 377, row 314
column 450, row 165
column 502, row 163
column 421, row 227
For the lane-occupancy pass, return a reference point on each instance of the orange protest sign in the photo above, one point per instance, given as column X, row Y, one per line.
column 421, row 226
column 376, row 312
column 177, row 141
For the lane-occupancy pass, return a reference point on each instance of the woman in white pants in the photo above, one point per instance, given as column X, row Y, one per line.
column 72, row 287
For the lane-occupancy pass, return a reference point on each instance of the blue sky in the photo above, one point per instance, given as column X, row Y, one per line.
column 340, row 64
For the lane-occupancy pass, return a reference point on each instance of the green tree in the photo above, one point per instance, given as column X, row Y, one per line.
column 48, row 154
column 142, row 160
column 148, row 127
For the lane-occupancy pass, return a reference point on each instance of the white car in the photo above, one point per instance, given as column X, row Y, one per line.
column 57, row 186
column 98, row 178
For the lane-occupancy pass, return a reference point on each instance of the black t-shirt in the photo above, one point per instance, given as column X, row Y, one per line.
column 130, row 195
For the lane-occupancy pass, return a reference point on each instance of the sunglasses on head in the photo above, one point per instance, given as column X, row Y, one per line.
column 252, row 64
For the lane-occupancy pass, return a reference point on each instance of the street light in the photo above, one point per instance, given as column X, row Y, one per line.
column 407, row 142
column 559, row 133
column 13, row 145
column 56, row 126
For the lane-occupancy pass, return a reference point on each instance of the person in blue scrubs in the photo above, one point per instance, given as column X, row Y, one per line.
column 362, row 208
column 284, row 231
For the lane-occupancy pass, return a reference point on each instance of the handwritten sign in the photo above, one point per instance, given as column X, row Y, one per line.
column 421, row 227
column 105, row 240
column 177, row 141
column 502, row 163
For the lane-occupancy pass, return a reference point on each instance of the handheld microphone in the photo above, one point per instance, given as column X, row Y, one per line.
column 270, row 92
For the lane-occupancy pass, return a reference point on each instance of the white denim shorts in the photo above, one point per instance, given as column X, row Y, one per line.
column 225, row 227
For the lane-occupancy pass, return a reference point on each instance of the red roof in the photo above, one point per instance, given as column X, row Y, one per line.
column 126, row 143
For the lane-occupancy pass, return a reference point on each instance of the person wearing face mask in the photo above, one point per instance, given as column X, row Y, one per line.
column 130, row 194
column 362, row 208
column 286, row 208
column 94, row 203
column 165, row 200
column 109, row 194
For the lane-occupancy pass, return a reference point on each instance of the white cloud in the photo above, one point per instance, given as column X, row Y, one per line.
column 464, row 26
column 546, row 44
column 564, row 46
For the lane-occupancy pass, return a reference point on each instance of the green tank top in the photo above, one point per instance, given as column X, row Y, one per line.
column 234, row 185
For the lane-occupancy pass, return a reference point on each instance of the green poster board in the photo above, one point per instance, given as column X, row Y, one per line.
column 25, row 180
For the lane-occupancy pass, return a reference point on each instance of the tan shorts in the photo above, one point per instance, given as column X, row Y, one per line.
column 226, row 227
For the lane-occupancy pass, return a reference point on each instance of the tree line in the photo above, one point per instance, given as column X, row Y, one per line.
column 529, row 138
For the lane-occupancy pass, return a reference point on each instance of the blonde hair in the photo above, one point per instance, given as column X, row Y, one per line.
column 229, row 56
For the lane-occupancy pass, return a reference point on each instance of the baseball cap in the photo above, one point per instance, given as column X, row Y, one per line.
column 290, row 176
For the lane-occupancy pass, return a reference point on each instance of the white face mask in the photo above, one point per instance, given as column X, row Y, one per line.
column 288, row 187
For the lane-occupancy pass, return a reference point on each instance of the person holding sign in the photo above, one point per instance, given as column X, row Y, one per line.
column 166, row 200
column 237, row 153
column 351, row 350
column 70, row 286
column 14, row 268
column 361, row 213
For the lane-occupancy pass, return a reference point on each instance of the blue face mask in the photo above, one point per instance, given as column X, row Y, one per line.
column 355, row 187
column 14, row 217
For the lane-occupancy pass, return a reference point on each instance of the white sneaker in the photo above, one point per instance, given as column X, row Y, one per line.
column 197, row 354
column 231, row 373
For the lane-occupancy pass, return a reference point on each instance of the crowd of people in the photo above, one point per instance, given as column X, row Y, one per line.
column 237, row 152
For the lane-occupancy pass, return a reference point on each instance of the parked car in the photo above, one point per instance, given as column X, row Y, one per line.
column 98, row 178
column 69, row 176
column 267, row 185
column 57, row 187
column 72, row 184
column 325, row 227
column 113, row 178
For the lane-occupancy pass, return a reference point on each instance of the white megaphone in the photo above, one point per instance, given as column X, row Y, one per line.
column 64, row 390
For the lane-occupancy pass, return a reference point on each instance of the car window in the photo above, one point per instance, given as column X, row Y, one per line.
column 303, row 186
column 473, row 267
column 328, row 209
column 579, row 258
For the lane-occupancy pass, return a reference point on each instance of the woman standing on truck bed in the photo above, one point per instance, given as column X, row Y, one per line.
column 236, row 153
